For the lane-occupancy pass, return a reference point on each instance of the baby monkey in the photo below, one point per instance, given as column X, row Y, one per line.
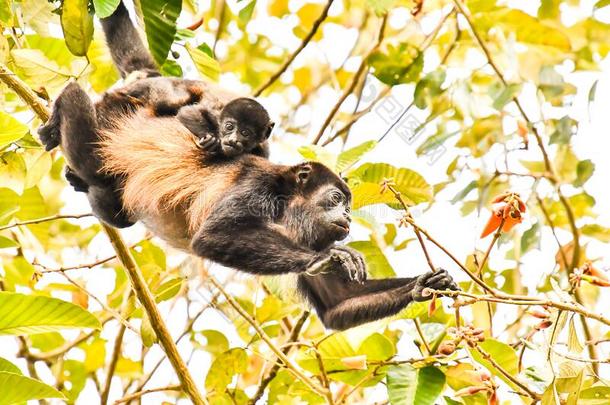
column 242, row 126
column 225, row 126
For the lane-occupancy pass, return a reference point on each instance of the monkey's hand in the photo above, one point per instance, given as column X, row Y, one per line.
column 76, row 182
column 209, row 143
column 438, row 280
column 353, row 267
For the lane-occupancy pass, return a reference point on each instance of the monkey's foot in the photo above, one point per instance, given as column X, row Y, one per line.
column 49, row 133
column 76, row 182
column 438, row 280
column 351, row 261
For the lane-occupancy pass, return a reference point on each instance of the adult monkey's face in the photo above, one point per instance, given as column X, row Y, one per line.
column 320, row 213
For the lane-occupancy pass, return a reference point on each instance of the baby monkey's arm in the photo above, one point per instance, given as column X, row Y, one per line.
column 203, row 124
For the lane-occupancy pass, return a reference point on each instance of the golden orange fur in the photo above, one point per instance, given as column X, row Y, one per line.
column 164, row 171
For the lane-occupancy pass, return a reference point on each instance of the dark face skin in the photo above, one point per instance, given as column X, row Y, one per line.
column 238, row 138
column 244, row 124
column 322, row 216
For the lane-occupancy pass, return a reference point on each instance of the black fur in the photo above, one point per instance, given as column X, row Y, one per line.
column 275, row 220
column 126, row 48
column 242, row 127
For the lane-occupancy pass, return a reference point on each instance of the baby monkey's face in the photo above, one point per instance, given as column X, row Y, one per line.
column 244, row 124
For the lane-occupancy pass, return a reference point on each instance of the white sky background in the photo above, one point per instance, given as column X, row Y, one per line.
column 444, row 220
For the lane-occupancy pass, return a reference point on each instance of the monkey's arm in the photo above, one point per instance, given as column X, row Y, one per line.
column 198, row 119
column 238, row 235
column 342, row 305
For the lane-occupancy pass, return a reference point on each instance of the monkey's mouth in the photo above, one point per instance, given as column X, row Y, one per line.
column 231, row 150
column 343, row 226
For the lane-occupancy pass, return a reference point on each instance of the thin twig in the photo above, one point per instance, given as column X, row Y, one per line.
column 293, row 368
column 61, row 350
column 291, row 58
column 138, row 394
column 116, row 353
column 525, row 390
column 355, row 80
column 294, row 335
column 524, row 300
column 45, row 219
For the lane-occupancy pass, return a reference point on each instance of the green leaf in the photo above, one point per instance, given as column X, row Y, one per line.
column 104, row 74
column 205, row 64
column 409, row 386
column 503, row 354
column 601, row 4
column 366, row 181
column 160, row 25
column 9, row 367
column 13, row 171
column 231, row 362
column 506, row 95
column 37, row 169
column 527, row 29
column 16, row 388
column 6, row 12
column 12, row 130
column 376, row 262
column 596, row 231
column 7, row 243
column 584, row 171
column 377, row 347
column 168, row 289
column 245, row 14
column 28, row 314
column 216, row 342
column 77, row 25
column 428, row 88
column 564, row 129
column 348, row 158
column 434, row 141
column 318, row 154
column 104, row 8
column 149, row 337
column 171, row 68
column 35, row 68
column 481, row 135
column 402, row 63
column 599, row 395
column 531, row 238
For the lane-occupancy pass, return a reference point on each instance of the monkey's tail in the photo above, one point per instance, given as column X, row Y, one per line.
column 126, row 47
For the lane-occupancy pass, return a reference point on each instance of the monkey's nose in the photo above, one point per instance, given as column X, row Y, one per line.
column 347, row 217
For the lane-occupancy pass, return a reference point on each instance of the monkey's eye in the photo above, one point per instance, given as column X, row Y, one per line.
column 245, row 133
column 336, row 198
column 229, row 126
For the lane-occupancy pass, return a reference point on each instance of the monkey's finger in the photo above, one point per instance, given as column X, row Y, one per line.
column 438, row 281
column 453, row 286
column 363, row 267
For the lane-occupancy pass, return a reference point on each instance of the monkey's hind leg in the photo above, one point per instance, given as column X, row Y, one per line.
column 73, row 124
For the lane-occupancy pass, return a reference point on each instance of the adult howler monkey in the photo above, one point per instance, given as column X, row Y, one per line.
column 246, row 212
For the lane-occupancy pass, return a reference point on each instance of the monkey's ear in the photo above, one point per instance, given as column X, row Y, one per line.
column 269, row 129
column 302, row 173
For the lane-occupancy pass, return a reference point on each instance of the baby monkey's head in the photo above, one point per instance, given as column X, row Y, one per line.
column 244, row 124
